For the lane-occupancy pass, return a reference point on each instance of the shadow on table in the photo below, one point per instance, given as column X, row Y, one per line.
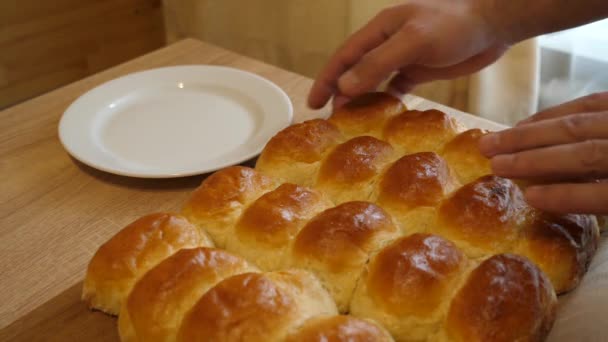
column 152, row 184
column 63, row 318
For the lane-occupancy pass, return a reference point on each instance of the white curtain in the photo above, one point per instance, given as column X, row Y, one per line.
column 300, row 35
column 574, row 63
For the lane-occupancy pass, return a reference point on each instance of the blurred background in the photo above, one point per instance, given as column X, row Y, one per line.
column 48, row 44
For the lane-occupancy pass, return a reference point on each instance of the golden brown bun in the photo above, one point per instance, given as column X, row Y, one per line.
column 217, row 204
column 130, row 253
column 293, row 154
column 336, row 244
column 411, row 188
column 463, row 155
column 266, row 230
column 506, row 298
column 420, row 131
column 160, row 299
column 256, row 307
column 408, row 284
column 340, row 329
column 484, row 216
column 390, row 216
column 349, row 171
column 366, row 114
column 562, row 246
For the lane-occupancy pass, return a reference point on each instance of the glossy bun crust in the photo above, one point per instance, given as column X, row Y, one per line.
column 293, row 155
column 256, row 307
column 388, row 216
column 339, row 328
column 407, row 285
column 506, row 298
column 462, row 153
column 561, row 245
column 336, row 244
column 484, row 216
column 367, row 114
column 159, row 300
column 130, row 253
column 420, row 131
column 217, row 203
column 351, row 169
column 266, row 229
column 411, row 189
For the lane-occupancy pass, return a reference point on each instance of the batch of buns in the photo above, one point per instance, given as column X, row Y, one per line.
column 378, row 224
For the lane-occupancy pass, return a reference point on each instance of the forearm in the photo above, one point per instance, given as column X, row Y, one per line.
column 517, row 20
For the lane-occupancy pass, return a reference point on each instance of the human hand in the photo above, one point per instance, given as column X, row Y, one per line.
column 566, row 147
column 421, row 40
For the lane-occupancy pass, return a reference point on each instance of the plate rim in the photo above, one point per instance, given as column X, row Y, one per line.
column 61, row 127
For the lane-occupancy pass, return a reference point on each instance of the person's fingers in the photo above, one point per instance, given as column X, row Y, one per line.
column 402, row 48
column 374, row 33
column 585, row 198
column 591, row 103
column 564, row 130
column 419, row 74
column 340, row 100
column 587, row 159
column 413, row 75
column 401, row 84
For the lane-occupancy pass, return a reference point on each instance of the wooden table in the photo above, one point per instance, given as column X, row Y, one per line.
column 55, row 211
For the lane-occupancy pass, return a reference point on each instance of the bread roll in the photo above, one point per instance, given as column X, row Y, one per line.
column 420, row 131
column 483, row 217
column 366, row 114
column 339, row 329
column 463, row 155
column 266, row 230
column 256, row 307
column 561, row 245
column 336, row 244
column 388, row 215
column 160, row 299
column 293, row 155
column 506, row 298
column 217, row 204
column 350, row 170
column 130, row 253
column 412, row 187
column 408, row 284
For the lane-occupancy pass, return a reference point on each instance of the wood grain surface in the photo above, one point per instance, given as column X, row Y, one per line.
column 55, row 211
column 63, row 318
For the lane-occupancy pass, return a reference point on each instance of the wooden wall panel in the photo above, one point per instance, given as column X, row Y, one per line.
column 46, row 44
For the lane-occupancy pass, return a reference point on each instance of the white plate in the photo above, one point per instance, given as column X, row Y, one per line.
column 175, row 121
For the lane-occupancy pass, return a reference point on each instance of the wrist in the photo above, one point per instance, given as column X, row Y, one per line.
column 498, row 20
column 513, row 21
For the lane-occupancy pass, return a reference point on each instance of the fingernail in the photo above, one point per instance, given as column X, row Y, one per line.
column 488, row 144
column 348, row 82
